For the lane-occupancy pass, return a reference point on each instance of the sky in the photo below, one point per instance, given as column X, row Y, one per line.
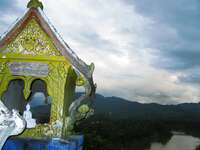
column 145, row 51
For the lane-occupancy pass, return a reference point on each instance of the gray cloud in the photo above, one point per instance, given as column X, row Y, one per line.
column 10, row 7
column 143, row 50
column 9, row 12
column 6, row 6
column 191, row 76
column 180, row 51
column 195, row 79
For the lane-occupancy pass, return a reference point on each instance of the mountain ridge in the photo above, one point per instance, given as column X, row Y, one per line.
column 119, row 108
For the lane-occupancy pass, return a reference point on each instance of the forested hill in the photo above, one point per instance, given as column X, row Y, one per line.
column 118, row 108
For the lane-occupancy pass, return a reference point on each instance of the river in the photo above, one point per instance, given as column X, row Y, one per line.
column 177, row 142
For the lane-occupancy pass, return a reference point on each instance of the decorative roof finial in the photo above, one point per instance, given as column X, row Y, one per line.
column 35, row 4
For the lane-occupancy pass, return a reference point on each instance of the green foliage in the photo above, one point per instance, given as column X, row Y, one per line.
column 198, row 147
column 102, row 133
column 35, row 4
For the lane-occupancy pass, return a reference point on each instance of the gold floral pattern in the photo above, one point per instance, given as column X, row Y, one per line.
column 32, row 41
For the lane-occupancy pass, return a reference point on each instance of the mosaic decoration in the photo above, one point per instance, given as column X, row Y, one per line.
column 29, row 69
column 32, row 41
column 2, row 67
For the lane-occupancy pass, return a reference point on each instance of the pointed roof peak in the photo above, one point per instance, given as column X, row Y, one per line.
column 35, row 4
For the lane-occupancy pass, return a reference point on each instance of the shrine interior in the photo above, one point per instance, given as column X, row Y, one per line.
column 40, row 102
column 13, row 98
column 39, row 99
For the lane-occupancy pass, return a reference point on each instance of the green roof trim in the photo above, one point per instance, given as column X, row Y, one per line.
column 35, row 4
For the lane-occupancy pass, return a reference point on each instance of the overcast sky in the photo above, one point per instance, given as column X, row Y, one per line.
column 143, row 50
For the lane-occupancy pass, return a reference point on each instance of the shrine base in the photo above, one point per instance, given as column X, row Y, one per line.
column 73, row 143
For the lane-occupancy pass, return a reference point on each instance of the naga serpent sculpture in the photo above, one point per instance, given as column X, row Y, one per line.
column 11, row 123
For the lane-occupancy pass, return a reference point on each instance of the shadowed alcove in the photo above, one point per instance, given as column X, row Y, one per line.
column 13, row 98
column 40, row 102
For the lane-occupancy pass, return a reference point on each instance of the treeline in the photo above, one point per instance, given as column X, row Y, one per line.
column 102, row 133
column 188, row 127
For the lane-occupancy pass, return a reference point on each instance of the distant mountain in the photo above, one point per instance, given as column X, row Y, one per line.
column 119, row 108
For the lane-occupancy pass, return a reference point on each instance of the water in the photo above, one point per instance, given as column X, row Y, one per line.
column 178, row 142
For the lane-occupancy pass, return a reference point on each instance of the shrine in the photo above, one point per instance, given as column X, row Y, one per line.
column 39, row 73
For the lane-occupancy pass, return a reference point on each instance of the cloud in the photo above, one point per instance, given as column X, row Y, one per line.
column 140, row 49
column 6, row 5
column 191, row 76
column 9, row 11
column 178, row 47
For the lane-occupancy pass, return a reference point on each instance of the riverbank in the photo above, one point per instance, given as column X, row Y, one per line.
column 178, row 141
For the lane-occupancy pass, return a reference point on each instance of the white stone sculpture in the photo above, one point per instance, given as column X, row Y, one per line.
column 30, row 122
column 11, row 123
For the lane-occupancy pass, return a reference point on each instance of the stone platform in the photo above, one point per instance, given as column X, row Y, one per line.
column 73, row 143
